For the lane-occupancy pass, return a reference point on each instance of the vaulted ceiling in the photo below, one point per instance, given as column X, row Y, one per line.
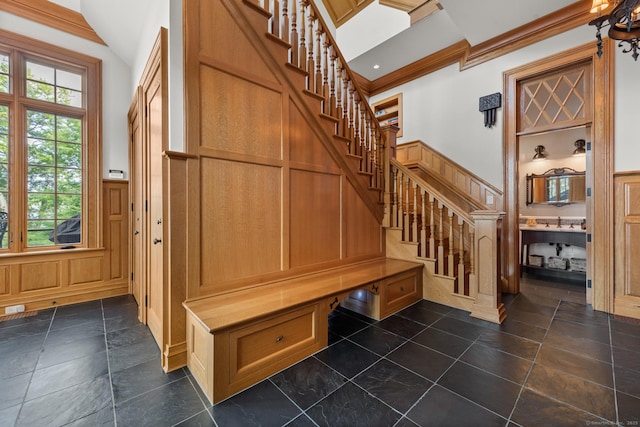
column 445, row 23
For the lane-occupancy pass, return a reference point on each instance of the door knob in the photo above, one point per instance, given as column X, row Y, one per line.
column 156, row 241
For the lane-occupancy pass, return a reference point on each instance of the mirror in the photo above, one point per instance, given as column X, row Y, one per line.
column 558, row 186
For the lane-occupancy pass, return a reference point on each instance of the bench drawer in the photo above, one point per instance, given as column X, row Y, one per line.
column 260, row 344
column 247, row 354
column 400, row 291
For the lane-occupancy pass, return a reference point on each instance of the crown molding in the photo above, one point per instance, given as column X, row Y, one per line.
column 567, row 18
column 52, row 15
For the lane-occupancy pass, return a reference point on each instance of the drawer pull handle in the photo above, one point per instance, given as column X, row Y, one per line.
column 374, row 287
column 401, row 289
column 280, row 338
column 335, row 302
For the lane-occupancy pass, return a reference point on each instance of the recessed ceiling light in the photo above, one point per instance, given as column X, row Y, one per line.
column 376, row 66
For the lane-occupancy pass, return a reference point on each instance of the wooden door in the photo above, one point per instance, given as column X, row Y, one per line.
column 137, row 236
column 627, row 246
column 155, row 125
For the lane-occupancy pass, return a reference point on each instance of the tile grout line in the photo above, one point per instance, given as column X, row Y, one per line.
column 106, row 348
column 613, row 372
column 435, row 383
column 55, row 310
column 533, row 363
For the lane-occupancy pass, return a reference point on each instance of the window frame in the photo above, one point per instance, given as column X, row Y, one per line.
column 21, row 49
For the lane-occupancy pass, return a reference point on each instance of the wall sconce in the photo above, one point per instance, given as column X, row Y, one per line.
column 579, row 151
column 540, row 155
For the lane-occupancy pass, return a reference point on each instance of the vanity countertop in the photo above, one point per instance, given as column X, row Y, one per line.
column 551, row 227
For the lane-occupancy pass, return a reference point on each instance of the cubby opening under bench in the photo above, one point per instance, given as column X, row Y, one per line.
column 239, row 338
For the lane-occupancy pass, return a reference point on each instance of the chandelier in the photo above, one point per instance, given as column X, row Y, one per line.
column 623, row 23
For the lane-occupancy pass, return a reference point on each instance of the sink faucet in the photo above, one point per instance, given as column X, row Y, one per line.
column 559, row 223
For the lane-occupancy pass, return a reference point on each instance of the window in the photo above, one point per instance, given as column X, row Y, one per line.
column 49, row 147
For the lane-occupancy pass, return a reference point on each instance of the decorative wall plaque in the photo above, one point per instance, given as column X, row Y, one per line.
column 488, row 105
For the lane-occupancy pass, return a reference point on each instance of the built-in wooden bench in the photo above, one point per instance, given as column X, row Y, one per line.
column 238, row 338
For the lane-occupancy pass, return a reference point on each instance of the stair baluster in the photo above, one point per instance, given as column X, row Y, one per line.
column 423, row 230
column 440, row 265
column 451, row 257
column 293, row 56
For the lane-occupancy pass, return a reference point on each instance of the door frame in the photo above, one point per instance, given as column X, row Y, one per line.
column 157, row 64
column 137, row 167
column 600, row 215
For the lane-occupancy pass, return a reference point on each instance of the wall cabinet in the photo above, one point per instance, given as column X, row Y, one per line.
column 552, row 237
column 389, row 112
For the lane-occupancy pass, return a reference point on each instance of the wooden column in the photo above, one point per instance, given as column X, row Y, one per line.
column 488, row 304
column 389, row 136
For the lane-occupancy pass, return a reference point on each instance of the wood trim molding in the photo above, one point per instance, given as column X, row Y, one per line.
column 555, row 23
column 341, row 11
column 458, row 179
column 600, row 164
column 52, row 15
column 419, row 68
column 468, row 56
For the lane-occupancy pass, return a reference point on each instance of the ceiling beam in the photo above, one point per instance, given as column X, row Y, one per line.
column 52, row 15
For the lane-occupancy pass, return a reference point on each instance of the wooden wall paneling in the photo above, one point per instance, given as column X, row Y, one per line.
column 445, row 170
column 86, row 270
column 305, row 149
column 241, row 196
column 223, row 41
column 363, row 234
column 241, row 221
column 627, row 245
column 175, row 354
column 229, row 103
column 39, row 275
column 5, row 280
column 315, row 232
column 116, row 226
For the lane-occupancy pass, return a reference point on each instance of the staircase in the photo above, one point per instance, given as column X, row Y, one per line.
column 459, row 249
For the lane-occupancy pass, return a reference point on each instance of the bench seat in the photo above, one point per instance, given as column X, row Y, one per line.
column 238, row 338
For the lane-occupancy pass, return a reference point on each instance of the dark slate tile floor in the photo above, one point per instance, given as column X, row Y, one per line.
column 553, row 362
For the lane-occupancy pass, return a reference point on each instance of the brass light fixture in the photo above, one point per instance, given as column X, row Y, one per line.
column 579, row 151
column 540, row 155
column 623, row 23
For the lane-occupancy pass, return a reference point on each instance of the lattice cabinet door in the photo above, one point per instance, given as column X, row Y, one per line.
column 556, row 100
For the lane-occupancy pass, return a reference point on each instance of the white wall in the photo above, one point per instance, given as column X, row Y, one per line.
column 379, row 23
column 116, row 83
column 441, row 109
column 167, row 14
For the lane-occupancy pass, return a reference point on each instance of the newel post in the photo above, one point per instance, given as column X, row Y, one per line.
column 486, row 245
column 389, row 137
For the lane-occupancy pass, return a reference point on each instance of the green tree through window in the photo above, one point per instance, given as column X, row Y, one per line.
column 49, row 146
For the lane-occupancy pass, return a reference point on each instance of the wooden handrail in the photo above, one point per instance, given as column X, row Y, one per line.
column 441, row 231
column 437, row 195
column 314, row 51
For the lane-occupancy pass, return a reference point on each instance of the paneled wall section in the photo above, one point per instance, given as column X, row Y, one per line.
column 272, row 199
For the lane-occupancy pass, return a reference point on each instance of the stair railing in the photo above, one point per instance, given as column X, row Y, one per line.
column 314, row 51
column 465, row 246
column 440, row 230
